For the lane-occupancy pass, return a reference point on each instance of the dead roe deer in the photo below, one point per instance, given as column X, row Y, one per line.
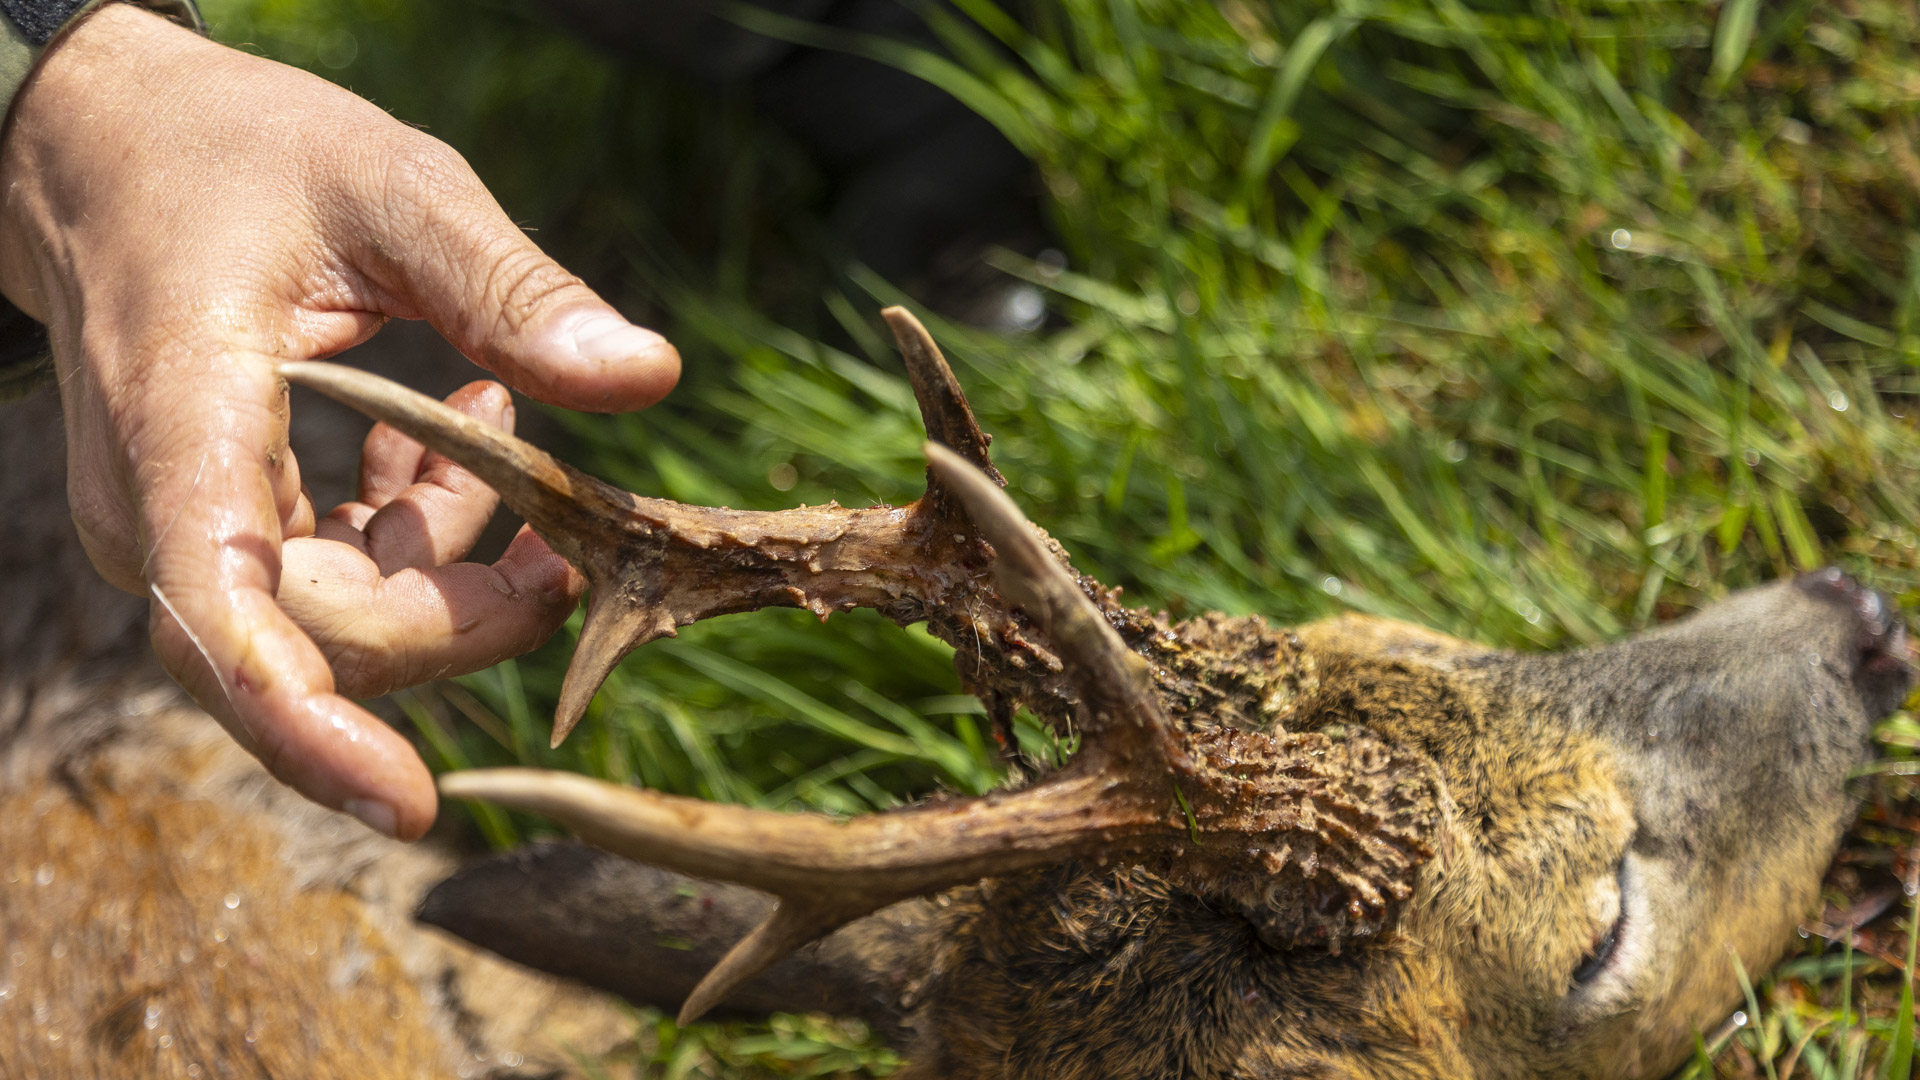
column 1355, row 850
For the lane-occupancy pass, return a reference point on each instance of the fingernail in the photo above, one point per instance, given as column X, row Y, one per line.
column 502, row 402
column 376, row 815
column 507, row 416
column 610, row 339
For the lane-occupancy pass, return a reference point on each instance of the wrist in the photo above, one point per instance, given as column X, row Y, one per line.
column 97, row 77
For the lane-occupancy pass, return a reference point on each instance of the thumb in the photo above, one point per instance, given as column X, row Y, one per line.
column 451, row 255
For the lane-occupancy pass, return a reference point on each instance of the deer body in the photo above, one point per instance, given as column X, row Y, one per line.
column 1357, row 850
column 1360, row 850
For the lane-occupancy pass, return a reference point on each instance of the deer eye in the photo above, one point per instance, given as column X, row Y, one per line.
column 1599, row 956
column 1595, row 961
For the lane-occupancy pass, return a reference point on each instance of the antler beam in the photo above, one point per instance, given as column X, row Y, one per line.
column 653, row 565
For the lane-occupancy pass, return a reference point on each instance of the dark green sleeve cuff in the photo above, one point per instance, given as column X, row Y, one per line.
column 26, row 362
column 21, row 46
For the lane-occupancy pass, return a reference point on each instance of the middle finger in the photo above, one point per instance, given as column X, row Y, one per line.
column 439, row 516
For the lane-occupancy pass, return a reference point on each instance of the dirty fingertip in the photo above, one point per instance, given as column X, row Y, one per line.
column 486, row 401
column 402, row 815
column 344, row 757
column 375, row 815
column 616, row 365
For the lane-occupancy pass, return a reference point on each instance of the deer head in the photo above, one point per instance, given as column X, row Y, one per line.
column 1362, row 849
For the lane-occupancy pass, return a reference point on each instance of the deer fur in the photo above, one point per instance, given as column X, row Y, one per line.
column 1722, row 784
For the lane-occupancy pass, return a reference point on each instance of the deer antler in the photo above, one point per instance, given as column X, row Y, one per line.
column 1168, row 774
column 653, row 565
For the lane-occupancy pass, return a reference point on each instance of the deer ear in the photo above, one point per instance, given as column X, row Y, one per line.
column 650, row 935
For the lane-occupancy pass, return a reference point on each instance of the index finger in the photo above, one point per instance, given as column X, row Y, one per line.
column 210, row 514
column 441, row 248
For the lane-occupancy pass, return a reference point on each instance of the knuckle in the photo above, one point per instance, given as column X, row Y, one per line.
column 440, row 209
column 363, row 668
column 427, row 192
column 520, row 286
column 462, row 492
column 359, row 676
column 368, row 654
column 424, row 175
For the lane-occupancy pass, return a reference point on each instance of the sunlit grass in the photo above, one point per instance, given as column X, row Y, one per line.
column 1531, row 322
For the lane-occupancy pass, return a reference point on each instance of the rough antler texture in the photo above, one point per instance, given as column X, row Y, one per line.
column 1185, row 766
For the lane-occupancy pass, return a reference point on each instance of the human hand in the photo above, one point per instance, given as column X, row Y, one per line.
column 184, row 216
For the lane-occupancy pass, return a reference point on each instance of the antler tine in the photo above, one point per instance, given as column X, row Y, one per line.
column 789, row 927
column 614, row 626
column 1113, row 678
column 943, row 405
column 566, row 505
column 828, row 872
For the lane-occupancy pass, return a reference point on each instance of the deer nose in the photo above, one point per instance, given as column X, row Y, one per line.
column 1883, row 659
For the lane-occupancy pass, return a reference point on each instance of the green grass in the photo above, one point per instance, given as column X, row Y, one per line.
column 1533, row 322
